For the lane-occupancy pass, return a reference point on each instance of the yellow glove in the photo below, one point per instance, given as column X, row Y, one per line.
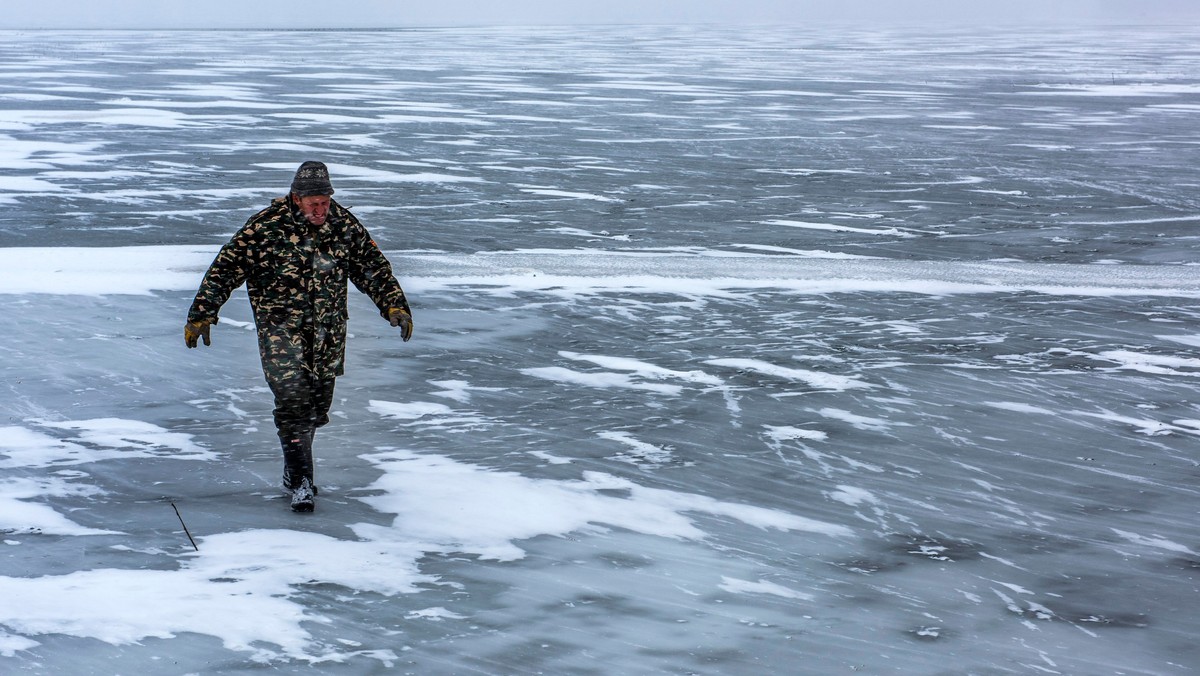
column 193, row 331
column 399, row 316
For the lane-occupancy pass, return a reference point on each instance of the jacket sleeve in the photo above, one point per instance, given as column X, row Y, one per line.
column 227, row 272
column 371, row 272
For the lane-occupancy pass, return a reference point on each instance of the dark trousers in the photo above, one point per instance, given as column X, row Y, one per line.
column 301, row 406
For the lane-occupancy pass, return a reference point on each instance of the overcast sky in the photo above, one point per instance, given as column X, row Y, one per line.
column 403, row 13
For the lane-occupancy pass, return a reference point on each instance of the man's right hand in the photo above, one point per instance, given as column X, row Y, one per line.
column 193, row 331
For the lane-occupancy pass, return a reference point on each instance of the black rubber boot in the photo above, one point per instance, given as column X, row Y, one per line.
column 302, row 497
column 298, row 471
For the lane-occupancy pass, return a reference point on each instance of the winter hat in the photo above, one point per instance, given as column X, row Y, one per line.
column 312, row 178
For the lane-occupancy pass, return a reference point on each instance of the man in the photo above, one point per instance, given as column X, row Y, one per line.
column 295, row 257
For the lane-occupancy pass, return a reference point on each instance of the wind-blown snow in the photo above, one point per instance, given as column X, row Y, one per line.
column 144, row 270
column 736, row 349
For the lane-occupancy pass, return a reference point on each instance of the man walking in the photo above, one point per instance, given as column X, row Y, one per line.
column 295, row 258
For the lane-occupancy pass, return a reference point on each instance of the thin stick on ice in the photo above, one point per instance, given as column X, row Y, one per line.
column 185, row 528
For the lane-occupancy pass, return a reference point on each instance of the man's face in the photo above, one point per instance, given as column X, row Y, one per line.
column 314, row 207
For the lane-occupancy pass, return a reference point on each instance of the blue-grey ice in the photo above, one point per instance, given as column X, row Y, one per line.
column 737, row 351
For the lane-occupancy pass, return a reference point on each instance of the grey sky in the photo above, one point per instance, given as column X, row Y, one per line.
column 403, row 13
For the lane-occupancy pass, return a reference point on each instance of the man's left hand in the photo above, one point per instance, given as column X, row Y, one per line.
column 399, row 316
column 194, row 331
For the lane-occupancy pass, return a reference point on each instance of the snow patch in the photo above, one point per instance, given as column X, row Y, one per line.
column 825, row 381
column 849, row 495
column 736, row 586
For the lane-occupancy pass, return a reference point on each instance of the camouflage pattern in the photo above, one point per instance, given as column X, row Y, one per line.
column 296, row 275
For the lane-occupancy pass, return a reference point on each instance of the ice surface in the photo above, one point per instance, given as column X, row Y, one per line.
column 737, row 351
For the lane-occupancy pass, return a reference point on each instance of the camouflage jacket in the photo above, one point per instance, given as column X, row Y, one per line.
column 295, row 275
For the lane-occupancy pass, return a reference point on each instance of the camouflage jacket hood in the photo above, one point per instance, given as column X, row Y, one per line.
column 295, row 275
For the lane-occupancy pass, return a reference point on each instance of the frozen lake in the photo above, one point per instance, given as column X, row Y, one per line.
column 737, row 351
